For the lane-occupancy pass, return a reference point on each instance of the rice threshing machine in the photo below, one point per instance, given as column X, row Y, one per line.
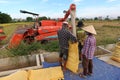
column 43, row 31
column 2, row 34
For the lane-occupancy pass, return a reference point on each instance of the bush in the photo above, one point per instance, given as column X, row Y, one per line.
column 25, row 49
column 51, row 46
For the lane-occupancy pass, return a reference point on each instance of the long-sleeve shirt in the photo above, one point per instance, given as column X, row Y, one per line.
column 64, row 36
column 89, row 47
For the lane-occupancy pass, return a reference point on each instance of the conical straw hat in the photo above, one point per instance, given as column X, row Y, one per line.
column 90, row 29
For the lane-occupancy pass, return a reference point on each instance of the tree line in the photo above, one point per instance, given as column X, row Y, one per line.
column 5, row 18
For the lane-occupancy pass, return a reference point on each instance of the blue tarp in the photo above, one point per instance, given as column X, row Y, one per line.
column 101, row 71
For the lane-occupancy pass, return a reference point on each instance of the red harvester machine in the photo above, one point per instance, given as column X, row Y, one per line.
column 44, row 31
column 2, row 34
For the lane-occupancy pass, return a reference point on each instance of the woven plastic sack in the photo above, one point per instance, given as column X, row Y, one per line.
column 116, row 53
column 19, row 75
column 53, row 73
column 73, row 57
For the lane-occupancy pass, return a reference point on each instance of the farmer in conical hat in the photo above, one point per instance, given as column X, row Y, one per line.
column 88, row 51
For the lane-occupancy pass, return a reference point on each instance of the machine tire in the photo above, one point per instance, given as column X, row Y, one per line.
column 29, row 39
column 44, row 41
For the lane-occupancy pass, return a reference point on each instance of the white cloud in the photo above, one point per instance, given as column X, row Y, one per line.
column 58, row 4
column 3, row 1
column 47, row 14
column 88, row 12
column 44, row 0
column 19, row 15
column 111, row 0
column 77, row 1
column 112, row 11
column 11, row 1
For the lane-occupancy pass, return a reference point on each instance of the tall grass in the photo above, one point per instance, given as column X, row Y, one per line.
column 107, row 34
column 25, row 49
column 5, row 53
column 106, row 41
column 51, row 46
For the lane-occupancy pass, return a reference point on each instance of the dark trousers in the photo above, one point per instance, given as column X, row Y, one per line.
column 80, row 48
column 87, row 65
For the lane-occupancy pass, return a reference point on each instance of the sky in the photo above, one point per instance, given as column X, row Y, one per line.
column 55, row 8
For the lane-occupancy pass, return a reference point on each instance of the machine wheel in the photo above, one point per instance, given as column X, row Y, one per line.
column 44, row 41
column 29, row 39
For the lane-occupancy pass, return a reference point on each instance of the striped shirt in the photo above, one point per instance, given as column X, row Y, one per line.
column 89, row 47
column 64, row 36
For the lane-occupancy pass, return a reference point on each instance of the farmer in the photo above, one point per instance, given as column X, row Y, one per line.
column 80, row 36
column 88, row 51
column 64, row 36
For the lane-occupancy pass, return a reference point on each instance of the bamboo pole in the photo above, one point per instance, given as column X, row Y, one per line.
column 73, row 16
